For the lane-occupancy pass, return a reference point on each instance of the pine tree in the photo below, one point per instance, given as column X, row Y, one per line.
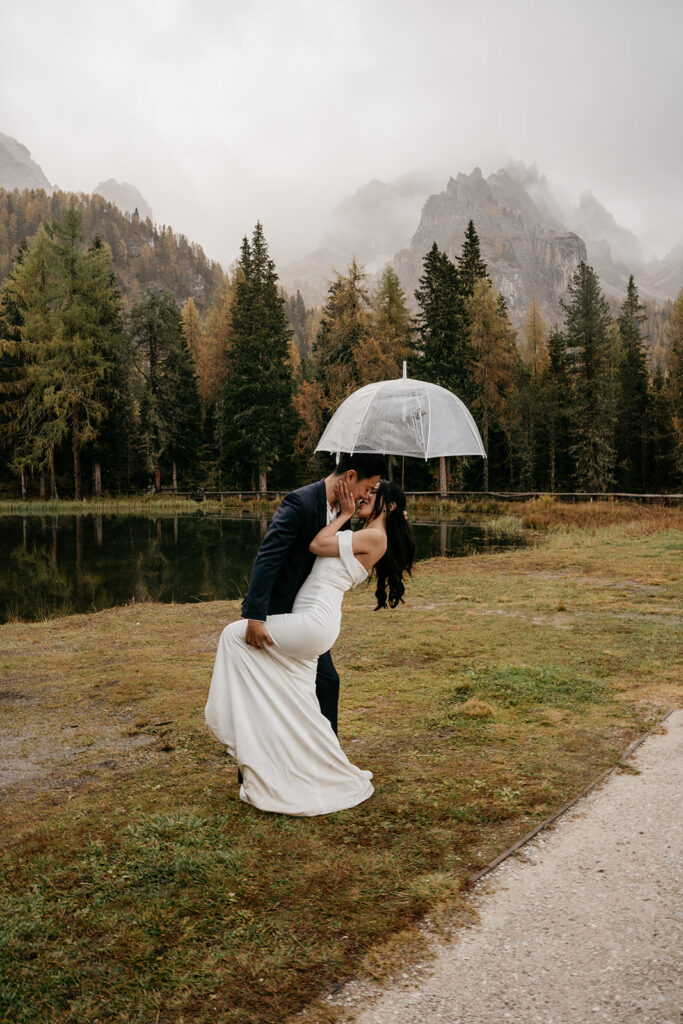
column 80, row 355
column 471, row 267
column 301, row 321
column 674, row 381
column 526, row 400
column 341, row 357
column 257, row 414
column 443, row 349
column 662, row 436
column 444, row 354
column 534, row 341
column 182, row 420
column 112, row 448
column 555, row 405
column 633, row 396
column 193, row 332
column 392, row 323
column 211, row 361
column 64, row 296
column 15, row 422
column 592, row 413
column 31, row 430
column 493, row 342
column 169, row 402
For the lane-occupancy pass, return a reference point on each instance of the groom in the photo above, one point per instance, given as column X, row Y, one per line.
column 283, row 561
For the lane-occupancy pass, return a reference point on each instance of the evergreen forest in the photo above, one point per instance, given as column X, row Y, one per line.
column 128, row 361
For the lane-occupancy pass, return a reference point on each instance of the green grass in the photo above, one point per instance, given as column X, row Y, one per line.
column 524, row 686
column 145, row 504
column 136, row 887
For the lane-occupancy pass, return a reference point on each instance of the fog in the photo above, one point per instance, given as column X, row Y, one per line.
column 222, row 113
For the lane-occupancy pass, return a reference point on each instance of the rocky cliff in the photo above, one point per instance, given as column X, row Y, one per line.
column 17, row 169
column 532, row 239
column 530, row 255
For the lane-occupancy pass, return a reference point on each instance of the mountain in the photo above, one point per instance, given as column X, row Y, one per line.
column 143, row 255
column 372, row 225
column 613, row 251
column 125, row 196
column 530, row 255
column 663, row 279
column 532, row 238
column 17, row 169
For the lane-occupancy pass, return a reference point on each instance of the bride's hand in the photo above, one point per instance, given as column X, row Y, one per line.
column 347, row 503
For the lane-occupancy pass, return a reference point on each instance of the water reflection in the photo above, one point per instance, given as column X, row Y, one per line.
column 66, row 564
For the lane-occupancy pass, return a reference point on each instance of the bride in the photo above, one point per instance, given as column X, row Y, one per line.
column 262, row 703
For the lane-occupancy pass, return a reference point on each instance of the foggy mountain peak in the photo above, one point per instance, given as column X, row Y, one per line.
column 532, row 237
column 18, row 169
column 125, row 196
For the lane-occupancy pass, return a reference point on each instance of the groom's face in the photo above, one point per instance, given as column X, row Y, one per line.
column 360, row 488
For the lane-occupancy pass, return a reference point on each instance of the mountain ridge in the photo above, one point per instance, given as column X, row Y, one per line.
column 532, row 239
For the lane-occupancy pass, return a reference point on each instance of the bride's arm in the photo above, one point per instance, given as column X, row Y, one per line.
column 325, row 541
column 371, row 543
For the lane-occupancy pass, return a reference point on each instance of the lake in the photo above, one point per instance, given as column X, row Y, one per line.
column 59, row 565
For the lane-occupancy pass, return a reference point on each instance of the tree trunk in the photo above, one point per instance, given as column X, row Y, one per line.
column 443, row 479
column 23, row 484
column 485, row 439
column 552, row 464
column 262, row 480
column 76, row 447
column 157, row 476
column 53, row 482
column 175, row 478
column 97, row 480
column 41, row 487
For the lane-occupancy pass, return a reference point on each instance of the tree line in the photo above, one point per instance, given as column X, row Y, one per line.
column 143, row 254
column 102, row 395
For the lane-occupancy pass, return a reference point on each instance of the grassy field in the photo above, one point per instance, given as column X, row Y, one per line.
column 144, row 504
column 136, row 887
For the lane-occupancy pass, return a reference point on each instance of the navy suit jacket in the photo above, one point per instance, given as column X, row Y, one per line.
column 283, row 561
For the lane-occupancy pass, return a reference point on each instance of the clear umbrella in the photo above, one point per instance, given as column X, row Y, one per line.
column 403, row 417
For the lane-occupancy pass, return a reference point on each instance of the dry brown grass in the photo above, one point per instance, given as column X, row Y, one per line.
column 546, row 513
column 136, row 883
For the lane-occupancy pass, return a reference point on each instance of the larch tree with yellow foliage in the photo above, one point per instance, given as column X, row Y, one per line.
column 493, row 342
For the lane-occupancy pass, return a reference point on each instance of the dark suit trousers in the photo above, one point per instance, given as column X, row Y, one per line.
column 327, row 688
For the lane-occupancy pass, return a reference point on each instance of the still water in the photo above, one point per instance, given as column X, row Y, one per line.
column 58, row 565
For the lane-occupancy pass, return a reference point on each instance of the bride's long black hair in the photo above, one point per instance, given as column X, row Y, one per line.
column 398, row 558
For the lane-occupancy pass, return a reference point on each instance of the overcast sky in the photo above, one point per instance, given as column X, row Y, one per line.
column 225, row 111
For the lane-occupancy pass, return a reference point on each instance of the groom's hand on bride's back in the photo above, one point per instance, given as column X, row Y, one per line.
column 257, row 635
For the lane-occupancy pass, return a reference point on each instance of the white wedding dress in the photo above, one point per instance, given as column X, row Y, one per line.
column 262, row 702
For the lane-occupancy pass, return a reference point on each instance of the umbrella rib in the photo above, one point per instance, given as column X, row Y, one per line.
column 429, row 425
column 360, row 425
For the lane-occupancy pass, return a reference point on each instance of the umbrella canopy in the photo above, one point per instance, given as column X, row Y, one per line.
column 403, row 417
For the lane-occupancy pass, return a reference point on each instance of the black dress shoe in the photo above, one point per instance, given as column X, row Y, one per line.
column 240, row 777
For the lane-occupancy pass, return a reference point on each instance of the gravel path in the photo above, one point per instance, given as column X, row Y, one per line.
column 585, row 925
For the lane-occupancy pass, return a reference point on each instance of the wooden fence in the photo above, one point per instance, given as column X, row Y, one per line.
column 455, row 496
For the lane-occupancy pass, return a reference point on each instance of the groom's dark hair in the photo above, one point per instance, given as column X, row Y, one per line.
column 364, row 464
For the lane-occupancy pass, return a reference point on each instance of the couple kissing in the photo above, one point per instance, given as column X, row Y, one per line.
column 274, row 691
